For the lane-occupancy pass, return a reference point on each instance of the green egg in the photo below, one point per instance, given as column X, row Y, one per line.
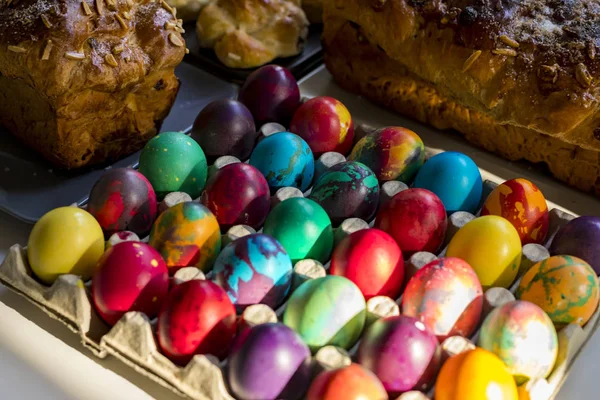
column 174, row 162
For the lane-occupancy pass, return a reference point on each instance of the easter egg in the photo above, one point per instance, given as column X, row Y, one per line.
column 580, row 238
column 271, row 94
column 187, row 235
column 269, row 362
column 197, row 317
column 347, row 190
column 225, row 128
column 66, row 240
column 522, row 335
column 326, row 125
column 302, row 227
column 491, row 245
column 402, row 353
column 174, row 162
column 237, row 194
column 475, row 375
column 392, row 153
column 130, row 276
column 565, row 287
column 254, row 269
column 446, row 296
column 327, row 311
column 523, row 205
column 372, row 260
column 416, row 219
column 454, row 178
column 285, row 160
column 348, row 383
column 123, row 200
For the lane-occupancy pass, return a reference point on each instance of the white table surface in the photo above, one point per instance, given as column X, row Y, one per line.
column 41, row 359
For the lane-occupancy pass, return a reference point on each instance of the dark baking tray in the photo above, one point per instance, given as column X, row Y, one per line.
column 30, row 187
column 299, row 65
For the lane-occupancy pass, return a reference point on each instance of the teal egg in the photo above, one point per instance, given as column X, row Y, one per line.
column 174, row 162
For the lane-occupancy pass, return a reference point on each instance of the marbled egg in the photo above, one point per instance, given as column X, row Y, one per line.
column 392, row 153
column 347, row 190
column 254, row 269
column 454, row 178
column 303, row 228
column 491, row 245
column 285, row 160
column 237, row 194
column 269, row 362
column 523, row 205
column 174, row 162
column 580, row 238
column 187, row 235
column 446, row 296
column 402, row 353
column 565, row 287
column 327, row 311
column 522, row 335
column 353, row 382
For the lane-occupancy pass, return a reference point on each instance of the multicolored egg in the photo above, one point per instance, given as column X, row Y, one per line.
column 372, row 260
column 187, row 235
column 580, row 238
column 523, row 205
column 491, row 245
column 130, row 276
column 268, row 362
column 327, row 311
column 392, row 153
column 446, row 296
column 326, row 125
column 347, row 190
column 174, row 162
column 237, row 194
column 476, row 374
column 66, row 240
column 402, row 353
column 348, row 383
column 416, row 219
column 303, row 228
column 565, row 287
column 254, row 269
column 123, row 200
column 196, row 318
column 454, row 178
column 522, row 335
column 285, row 160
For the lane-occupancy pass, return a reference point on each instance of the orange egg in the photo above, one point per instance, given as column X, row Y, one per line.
column 475, row 375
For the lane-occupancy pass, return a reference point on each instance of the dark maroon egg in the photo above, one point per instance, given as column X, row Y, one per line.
column 196, row 318
column 130, row 276
column 579, row 238
column 237, row 194
column 123, row 200
column 271, row 94
column 225, row 128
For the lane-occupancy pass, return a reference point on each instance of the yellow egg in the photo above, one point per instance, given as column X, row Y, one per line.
column 66, row 240
column 491, row 245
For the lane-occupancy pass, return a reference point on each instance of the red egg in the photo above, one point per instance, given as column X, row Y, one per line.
column 196, row 318
column 325, row 124
column 130, row 276
column 416, row 219
column 348, row 383
column 372, row 260
column 446, row 296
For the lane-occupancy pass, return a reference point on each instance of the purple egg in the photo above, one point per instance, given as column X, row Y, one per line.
column 402, row 353
column 269, row 361
column 579, row 238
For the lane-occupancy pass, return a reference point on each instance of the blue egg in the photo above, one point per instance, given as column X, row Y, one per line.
column 254, row 269
column 285, row 160
column 454, row 178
